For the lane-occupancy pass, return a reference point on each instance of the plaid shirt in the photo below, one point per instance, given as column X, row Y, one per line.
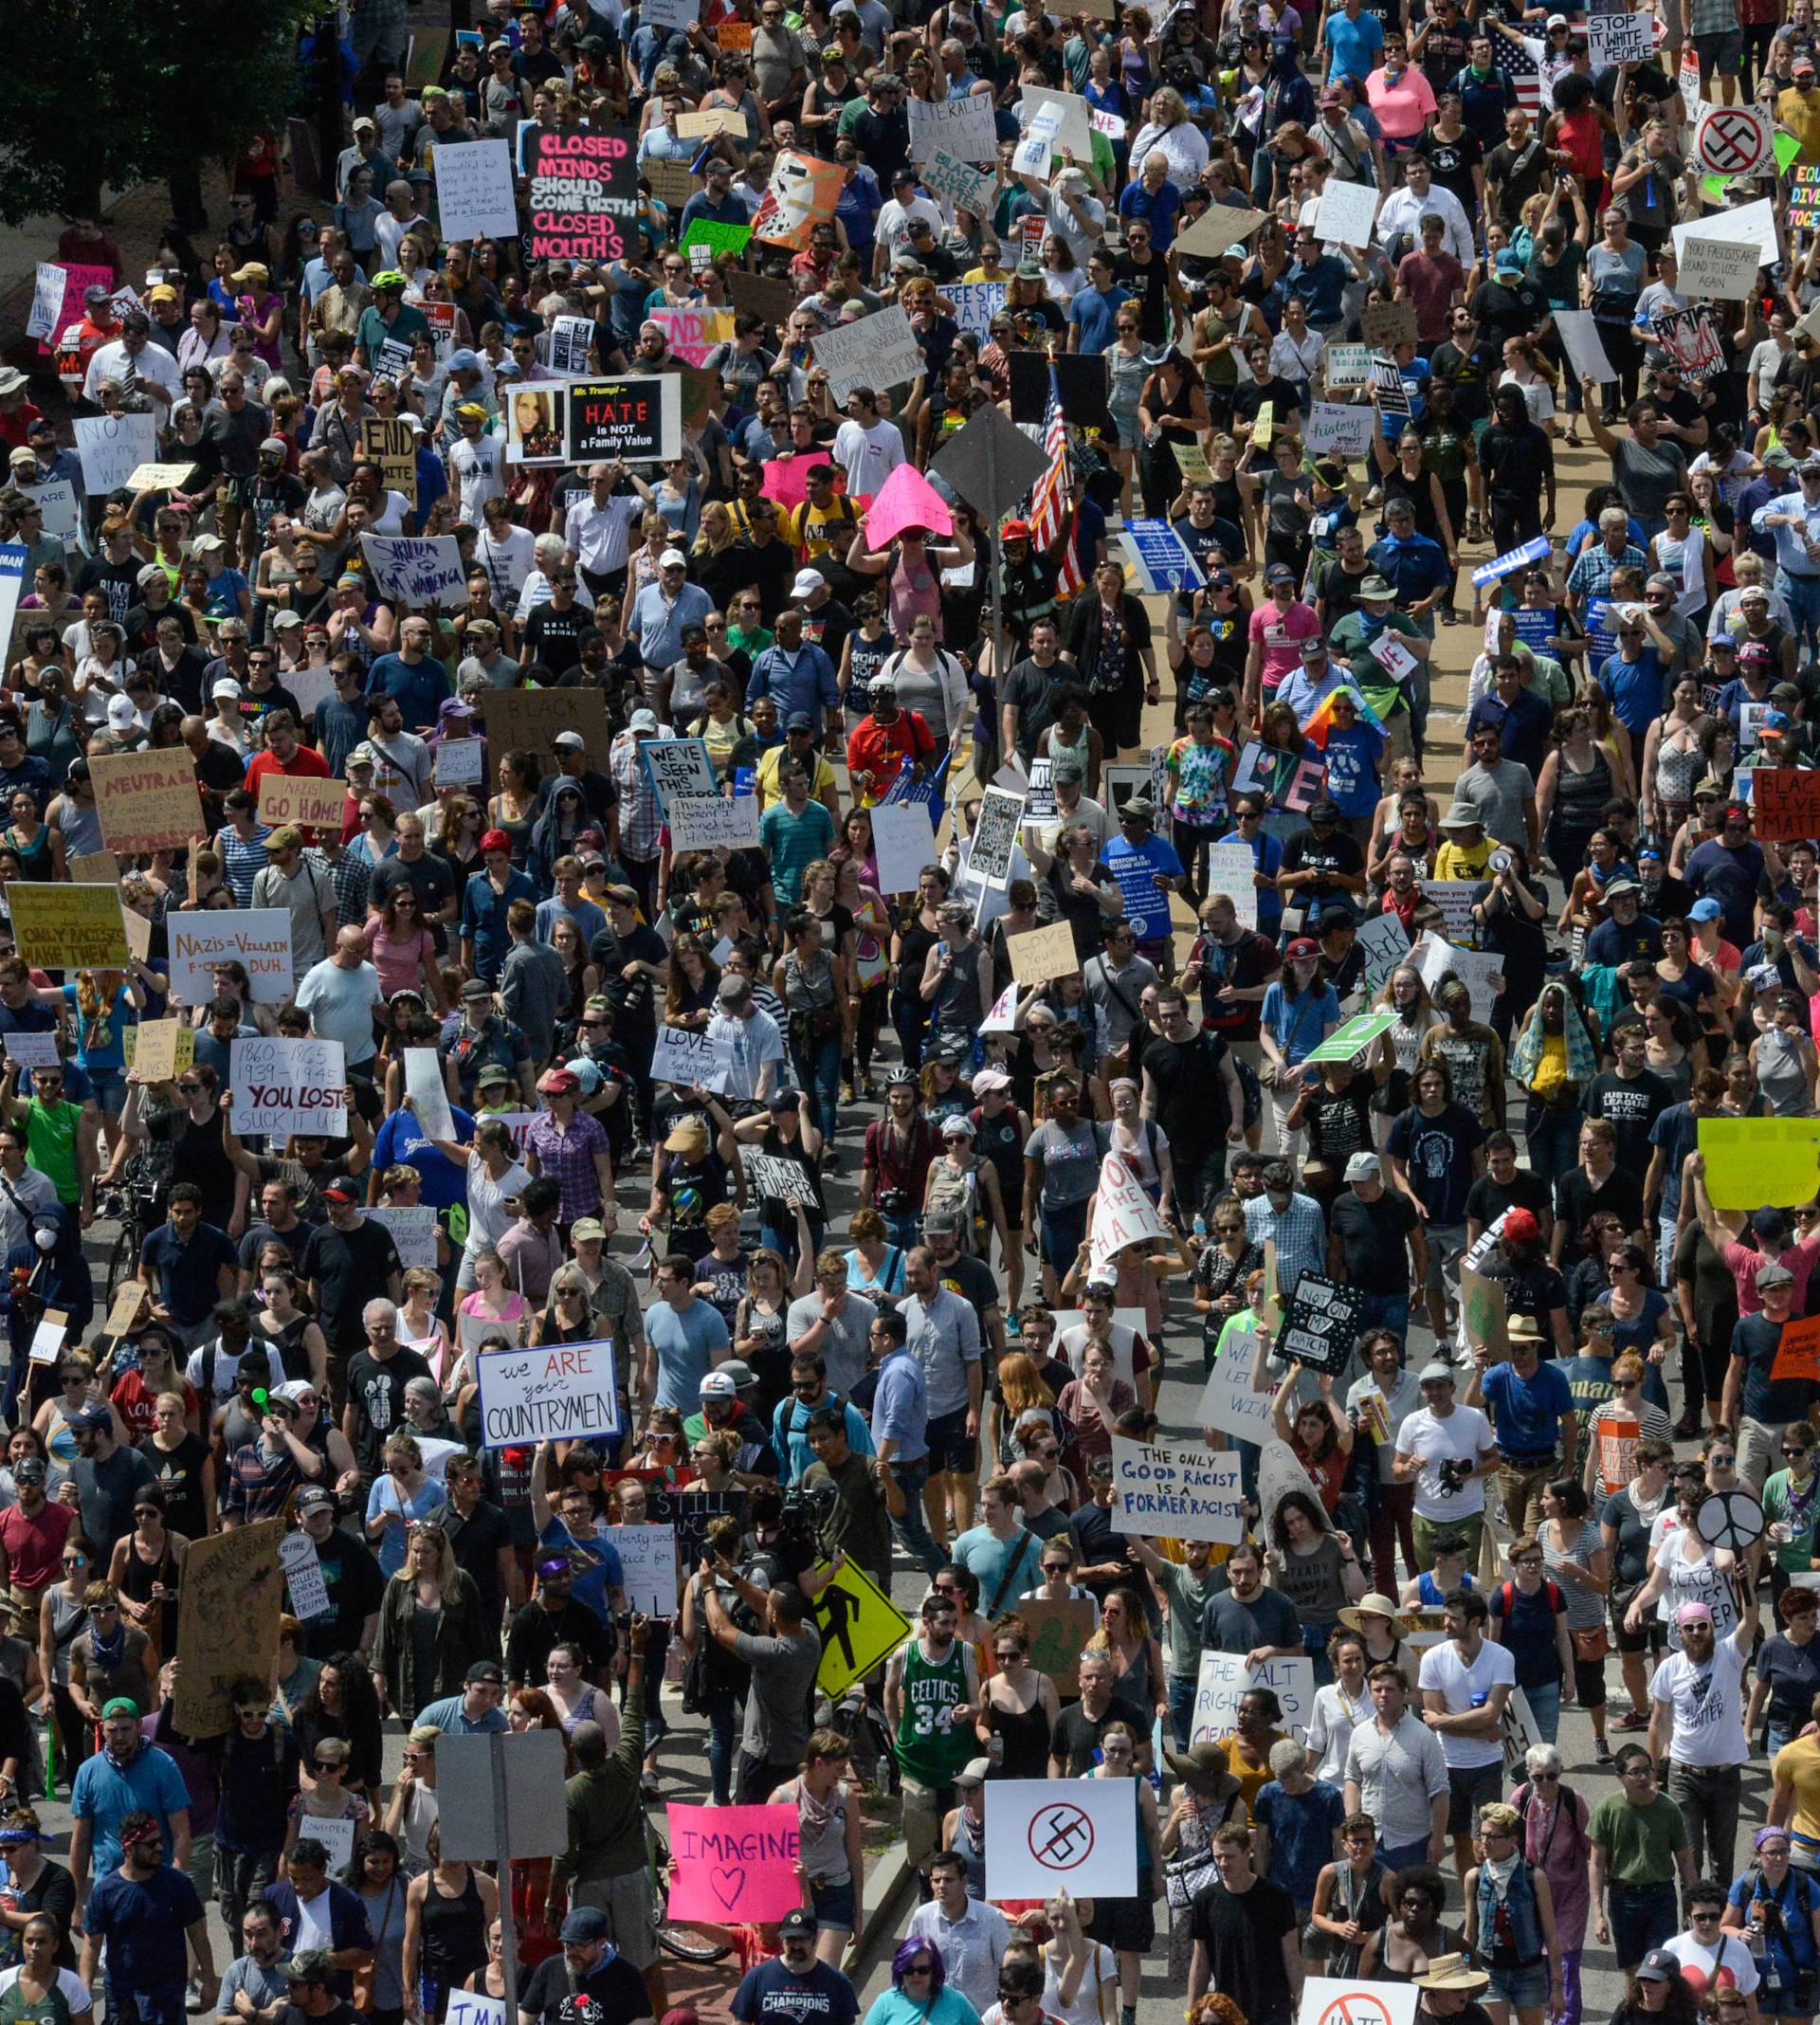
column 568, row 1159
column 1301, row 1234
column 641, row 820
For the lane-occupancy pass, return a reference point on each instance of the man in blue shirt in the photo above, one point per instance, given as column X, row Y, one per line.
column 125, row 1776
column 1627, row 935
column 1633, row 677
column 661, row 610
column 401, row 1139
column 147, row 1913
column 800, row 678
column 485, row 900
column 1147, row 871
column 190, row 1266
column 1094, row 307
column 413, row 677
column 476, row 1711
column 1415, row 567
column 1485, row 93
column 1532, row 1411
column 1355, row 41
column 1002, row 1553
column 900, row 1429
column 1729, row 868
column 1793, row 518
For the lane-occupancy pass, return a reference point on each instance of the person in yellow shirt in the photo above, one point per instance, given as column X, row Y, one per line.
column 1798, row 109
column 991, row 267
column 1465, row 850
column 798, row 749
column 823, row 525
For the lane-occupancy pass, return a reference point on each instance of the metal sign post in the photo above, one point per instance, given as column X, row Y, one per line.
column 499, row 1798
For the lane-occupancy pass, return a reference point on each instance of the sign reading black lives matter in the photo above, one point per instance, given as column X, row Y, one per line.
column 584, row 193
column 638, row 421
column 1322, row 1323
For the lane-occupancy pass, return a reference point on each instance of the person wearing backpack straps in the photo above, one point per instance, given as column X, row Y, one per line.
column 1776, row 1910
column 1529, row 1618
column 1001, row 1551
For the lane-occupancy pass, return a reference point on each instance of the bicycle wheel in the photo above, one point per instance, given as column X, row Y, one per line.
column 123, row 1260
column 682, row 1941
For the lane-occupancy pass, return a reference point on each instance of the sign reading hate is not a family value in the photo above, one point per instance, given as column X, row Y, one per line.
column 637, row 420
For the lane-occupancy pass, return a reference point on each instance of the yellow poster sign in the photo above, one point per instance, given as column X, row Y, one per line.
column 1754, row 1164
column 160, row 1049
column 68, row 927
column 859, row 1625
column 1040, row 954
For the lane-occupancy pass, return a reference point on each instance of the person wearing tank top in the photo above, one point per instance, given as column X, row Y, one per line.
column 930, row 1678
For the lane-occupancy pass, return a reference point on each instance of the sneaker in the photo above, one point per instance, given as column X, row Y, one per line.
column 1601, row 1751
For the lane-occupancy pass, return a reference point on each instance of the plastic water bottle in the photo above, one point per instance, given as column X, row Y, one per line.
column 1200, row 1228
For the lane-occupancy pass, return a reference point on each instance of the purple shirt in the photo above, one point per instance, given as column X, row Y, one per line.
column 568, row 1159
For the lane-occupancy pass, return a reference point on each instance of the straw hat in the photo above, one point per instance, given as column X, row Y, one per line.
column 1203, row 1770
column 1453, row 1972
column 1374, row 1605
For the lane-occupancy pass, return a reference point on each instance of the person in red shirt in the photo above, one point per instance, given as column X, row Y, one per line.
column 31, row 1536
column 134, row 1396
column 17, row 413
column 882, row 745
column 99, row 327
column 82, row 243
column 287, row 756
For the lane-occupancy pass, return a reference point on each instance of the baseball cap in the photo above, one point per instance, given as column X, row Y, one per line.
column 672, row 558
column 479, row 987
column 1704, row 910
column 309, row 1965
column 1521, row 1225
column 337, row 1192
column 485, row 1670
column 989, row 1080
column 1659, row 1966
column 1364, row 1167
column 800, row 1924
column 227, row 685
column 1279, row 572
column 641, row 721
column 312, row 1497
column 1301, row 949
column 28, row 1470
column 1314, row 649
column 572, row 740
column 587, row 1227
column 716, row 1385
column 1437, row 1371
column 807, row 583
column 558, row 1082
column 586, row 1922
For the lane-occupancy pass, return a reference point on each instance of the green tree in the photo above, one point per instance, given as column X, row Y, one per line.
column 119, row 95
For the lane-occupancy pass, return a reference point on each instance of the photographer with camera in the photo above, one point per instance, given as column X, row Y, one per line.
column 843, row 1483
column 784, row 1658
column 1448, row 1451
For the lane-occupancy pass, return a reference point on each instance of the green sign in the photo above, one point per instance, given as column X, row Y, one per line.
column 1352, row 1038
column 719, row 239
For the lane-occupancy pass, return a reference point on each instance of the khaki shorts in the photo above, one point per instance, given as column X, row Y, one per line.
column 627, row 1903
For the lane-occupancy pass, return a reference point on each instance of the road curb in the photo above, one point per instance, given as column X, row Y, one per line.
column 885, row 1885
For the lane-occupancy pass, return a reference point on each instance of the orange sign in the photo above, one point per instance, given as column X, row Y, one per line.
column 1786, row 803
column 1617, row 1436
column 1797, row 1355
column 733, row 35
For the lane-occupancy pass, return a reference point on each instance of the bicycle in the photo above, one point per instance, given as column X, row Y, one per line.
column 137, row 1222
column 682, row 1941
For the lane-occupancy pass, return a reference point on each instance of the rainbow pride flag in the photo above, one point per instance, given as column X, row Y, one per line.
column 1321, row 722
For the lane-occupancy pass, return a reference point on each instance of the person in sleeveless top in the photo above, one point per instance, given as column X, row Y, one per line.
column 1021, row 1707
column 831, row 1851
column 448, row 1911
column 963, row 1832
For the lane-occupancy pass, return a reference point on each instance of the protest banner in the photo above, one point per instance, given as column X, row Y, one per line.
column 47, row 301
column 1059, row 1628
column 1233, row 870
column 61, row 511
column 1385, row 942
column 111, row 447
column 302, row 799
column 1164, row 560
column 713, row 821
column 707, row 125
column 873, row 352
column 1614, row 39
column 228, row 1604
column 1228, row 1402
column 155, row 1052
column 994, row 840
column 1786, row 803
column 694, row 333
column 1040, row 954
column 256, row 937
column 679, row 768
column 905, row 500
column 1393, row 396
column 1804, row 196
column 68, row 927
column 1072, row 126
column 1322, row 1323
column 289, row 1087
column 773, row 1178
column 707, row 239
column 1345, row 216
column 904, row 841
column 536, row 423
column 583, row 190
column 1348, row 365
column 1226, row 1680
column 1722, row 268
column 1585, row 348
column 1734, row 140
column 1500, row 566
column 859, row 1625
column 1218, row 227
column 147, row 801
column 183, row 1050
column 1616, row 1440
column 1482, row 975
column 161, row 477
column 1044, row 1836
column 635, row 421
column 965, row 188
column 962, row 128
column 1342, row 428
column 49, row 1337
column 390, row 442
column 1383, row 325
column 1797, row 1351
column 303, row 1577
column 1180, row 1493
column 648, row 1556
column 1124, row 1212
column 975, row 304
column 732, row 1863
column 1692, row 339
column 563, row 1392
column 427, row 1092
column 530, row 721
column 802, row 191
column 1350, row 2001
column 413, row 1232
column 458, row 762
column 415, row 571
column 572, row 344
column 1484, row 1319
column 474, row 194
column 1032, row 152
column 1353, row 1037
column 687, row 1058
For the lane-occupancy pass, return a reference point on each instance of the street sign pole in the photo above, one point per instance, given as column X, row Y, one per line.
column 503, row 1820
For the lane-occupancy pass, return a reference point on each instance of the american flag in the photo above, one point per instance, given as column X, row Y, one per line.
column 1049, row 506
column 1522, row 58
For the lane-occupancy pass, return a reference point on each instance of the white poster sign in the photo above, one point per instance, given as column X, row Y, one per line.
column 303, row 1568
column 711, row 822
column 256, row 937
column 960, row 127
column 111, row 447
column 904, row 841
column 1619, row 39
column 690, row 1061
column 679, row 768
column 1226, row 1679
column 1479, row 972
column 467, row 2007
column 1178, row 1493
column 1341, row 427
column 46, row 303
column 647, row 1555
column 1044, row 1836
column 1227, row 1402
column 416, row 573
column 1723, row 268
column 428, row 1093
column 1347, row 212
column 413, row 1231
column 1385, row 942
column 474, row 194
column 1001, row 1018
column 282, row 1087
column 337, row 1837
column 1350, row 2000
column 876, row 350
column 1122, row 1214
column 1585, row 348
column 1754, row 222
column 33, row 1051
column 1233, row 870
column 1074, row 123
column 564, row 1392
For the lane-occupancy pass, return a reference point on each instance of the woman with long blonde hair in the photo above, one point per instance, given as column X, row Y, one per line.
column 435, row 1584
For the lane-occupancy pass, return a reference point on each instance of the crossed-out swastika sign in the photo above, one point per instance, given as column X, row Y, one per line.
column 1059, row 1837
column 1733, row 140
column 1044, row 1836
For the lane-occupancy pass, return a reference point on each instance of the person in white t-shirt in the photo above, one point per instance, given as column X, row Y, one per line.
column 1696, row 1720
column 1448, row 1451
column 1708, row 1956
column 1466, row 1680
column 868, row 449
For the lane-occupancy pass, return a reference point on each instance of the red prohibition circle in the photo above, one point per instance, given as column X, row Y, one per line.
column 1729, row 144
column 1060, row 1838
column 1357, row 2007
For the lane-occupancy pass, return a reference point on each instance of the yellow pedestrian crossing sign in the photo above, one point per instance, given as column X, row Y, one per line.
column 859, row 1625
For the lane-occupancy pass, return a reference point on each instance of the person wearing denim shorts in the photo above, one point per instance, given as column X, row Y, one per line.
column 1510, row 1919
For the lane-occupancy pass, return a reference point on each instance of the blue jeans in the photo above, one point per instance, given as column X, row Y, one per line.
column 1545, row 1705
column 1406, row 1857
column 1182, row 1689
column 1387, row 1311
column 724, row 1736
column 1065, row 1230
column 1802, row 596
column 818, row 1075
column 1643, row 1917
column 912, row 1531
column 1552, row 1133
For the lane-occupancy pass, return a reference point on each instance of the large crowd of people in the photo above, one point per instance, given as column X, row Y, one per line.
column 870, row 1307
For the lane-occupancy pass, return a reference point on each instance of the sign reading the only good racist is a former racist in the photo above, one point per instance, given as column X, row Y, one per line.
column 1182, row 1492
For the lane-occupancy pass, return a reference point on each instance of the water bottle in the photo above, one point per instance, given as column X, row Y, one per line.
column 1200, row 1228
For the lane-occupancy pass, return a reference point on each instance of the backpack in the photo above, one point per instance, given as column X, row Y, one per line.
column 960, row 1192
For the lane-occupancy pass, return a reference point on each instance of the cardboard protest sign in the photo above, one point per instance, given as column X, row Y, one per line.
column 564, row 1392
column 1059, row 1629
column 147, row 801
column 182, row 1045
column 1044, row 1836
column 635, row 420
column 679, row 766
column 530, row 720
column 962, row 128
column 282, row 1087
column 944, row 176
column 1322, row 1325
column 1226, row 1680
column 1485, row 1312
column 1072, row 126
column 1786, row 803
column 873, row 352
column 859, row 1625
column 1042, row 952
column 1719, row 267
column 995, row 838
column 1797, row 1354
column 68, row 927
column 733, row 1863
column 1181, row 1492
column 1342, row 428
column 1754, row 1164
column 1619, row 38
column 475, row 198
column 1384, row 324
column 764, row 295
column 458, row 763
column 583, row 190
column 416, row 571
column 228, row 1604
column 1480, row 973
column 1753, row 223
column 256, row 937
column 390, row 442
column 302, row 799
column 713, row 821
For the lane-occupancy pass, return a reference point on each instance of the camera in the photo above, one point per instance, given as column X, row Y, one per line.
column 1454, row 1473
column 893, row 1202
column 806, row 1511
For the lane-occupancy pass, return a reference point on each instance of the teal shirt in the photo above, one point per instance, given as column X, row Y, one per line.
column 988, row 1559
column 793, row 844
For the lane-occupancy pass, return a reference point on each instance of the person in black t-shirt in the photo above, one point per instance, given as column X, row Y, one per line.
column 1597, row 1183
column 1191, row 1088
column 1323, row 865
column 1335, row 1112
column 1247, row 1936
column 1075, row 1740
column 1372, row 1233
column 1631, row 1097
column 590, row 1966
column 374, row 1381
column 1503, row 1186
column 350, row 1573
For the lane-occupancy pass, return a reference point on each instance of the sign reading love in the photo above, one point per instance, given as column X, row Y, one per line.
column 734, row 1863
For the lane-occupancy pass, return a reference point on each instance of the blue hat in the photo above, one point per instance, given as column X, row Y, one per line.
column 1507, row 262
column 586, row 1922
column 1704, row 910
column 464, row 361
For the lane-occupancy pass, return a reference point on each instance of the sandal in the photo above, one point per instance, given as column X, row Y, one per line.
column 1632, row 1720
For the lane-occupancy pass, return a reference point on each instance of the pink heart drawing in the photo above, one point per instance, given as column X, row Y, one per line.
column 728, row 1881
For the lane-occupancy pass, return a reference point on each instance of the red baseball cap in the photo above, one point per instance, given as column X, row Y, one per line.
column 1521, row 1225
